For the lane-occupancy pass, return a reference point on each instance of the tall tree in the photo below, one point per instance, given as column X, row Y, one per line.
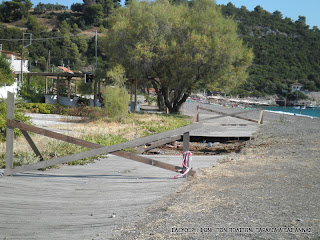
column 93, row 13
column 179, row 47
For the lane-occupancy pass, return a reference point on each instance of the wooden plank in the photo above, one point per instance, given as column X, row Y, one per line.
column 32, row 144
column 261, row 117
column 155, row 144
column 9, row 132
column 231, row 115
column 48, row 74
column 149, row 161
column 186, row 141
column 51, row 134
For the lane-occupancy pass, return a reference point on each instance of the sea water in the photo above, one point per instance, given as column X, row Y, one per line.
column 311, row 112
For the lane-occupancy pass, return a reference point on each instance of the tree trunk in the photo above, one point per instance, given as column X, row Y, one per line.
column 175, row 103
column 160, row 101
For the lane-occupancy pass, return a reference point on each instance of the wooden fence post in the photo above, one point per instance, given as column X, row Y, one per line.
column 197, row 114
column 261, row 117
column 186, row 141
column 9, row 133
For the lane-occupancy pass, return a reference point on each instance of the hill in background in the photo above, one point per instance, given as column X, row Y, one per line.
column 285, row 51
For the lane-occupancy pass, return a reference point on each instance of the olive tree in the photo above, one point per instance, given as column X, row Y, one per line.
column 178, row 48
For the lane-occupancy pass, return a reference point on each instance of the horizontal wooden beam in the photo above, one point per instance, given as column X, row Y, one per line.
column 51, row 134
column 47, row 74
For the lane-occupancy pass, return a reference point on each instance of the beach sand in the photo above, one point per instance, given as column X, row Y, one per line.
column 270, row 190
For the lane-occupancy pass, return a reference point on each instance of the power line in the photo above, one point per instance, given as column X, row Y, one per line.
column 38, row 39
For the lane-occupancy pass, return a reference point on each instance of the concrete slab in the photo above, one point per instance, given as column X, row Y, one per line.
column 77, row 202
column 216, row 125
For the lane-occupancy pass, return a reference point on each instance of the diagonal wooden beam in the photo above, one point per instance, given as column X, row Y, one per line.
column 32, row 144
column 231, row 115
column 150, row 161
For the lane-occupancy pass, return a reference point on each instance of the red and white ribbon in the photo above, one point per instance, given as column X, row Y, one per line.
column 185, row 162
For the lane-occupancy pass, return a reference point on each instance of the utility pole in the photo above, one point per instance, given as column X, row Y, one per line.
column 48, row 65
column 48, row 69
column 21, row 69
column 96, row 50
column 30, row 38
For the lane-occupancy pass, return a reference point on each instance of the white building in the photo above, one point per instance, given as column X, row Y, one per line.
column 15, row 61
column 297, row 87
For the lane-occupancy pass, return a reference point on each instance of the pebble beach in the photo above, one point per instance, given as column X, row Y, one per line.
column 270, row 190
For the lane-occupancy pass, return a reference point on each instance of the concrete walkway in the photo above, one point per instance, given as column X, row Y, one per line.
column 77, row 202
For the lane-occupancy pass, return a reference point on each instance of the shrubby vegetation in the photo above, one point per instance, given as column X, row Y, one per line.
column 11, row 11
column 116, row 102
column 3, row 120
column 6, row 75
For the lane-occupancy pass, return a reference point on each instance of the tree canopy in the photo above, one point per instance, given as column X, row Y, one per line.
column 177, row 47
column 14, row 10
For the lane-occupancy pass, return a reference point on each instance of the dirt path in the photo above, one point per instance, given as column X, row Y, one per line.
column 270, row 191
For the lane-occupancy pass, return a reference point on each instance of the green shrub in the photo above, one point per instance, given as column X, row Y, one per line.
column 44, row 108
column 3, row 121
column 92, row 113
column 116, row 102
column 150, row 99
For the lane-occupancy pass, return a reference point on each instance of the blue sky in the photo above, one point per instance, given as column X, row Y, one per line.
column 288, row 8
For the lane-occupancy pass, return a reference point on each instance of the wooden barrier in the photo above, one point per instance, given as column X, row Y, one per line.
column 260, row 121
column 97, row 148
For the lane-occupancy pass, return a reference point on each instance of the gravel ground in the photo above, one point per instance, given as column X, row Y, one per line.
column 268, row 191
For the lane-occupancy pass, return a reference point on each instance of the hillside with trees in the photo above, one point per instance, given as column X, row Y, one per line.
column 285, row 51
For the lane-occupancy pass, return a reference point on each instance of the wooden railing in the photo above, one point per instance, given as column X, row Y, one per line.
column 223, row 114
column 161, row 138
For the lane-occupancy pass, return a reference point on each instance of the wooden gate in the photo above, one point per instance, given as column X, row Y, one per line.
column 116, row 149
column 236, row 115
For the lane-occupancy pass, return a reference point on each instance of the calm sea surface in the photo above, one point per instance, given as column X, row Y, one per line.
column 312, row 112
